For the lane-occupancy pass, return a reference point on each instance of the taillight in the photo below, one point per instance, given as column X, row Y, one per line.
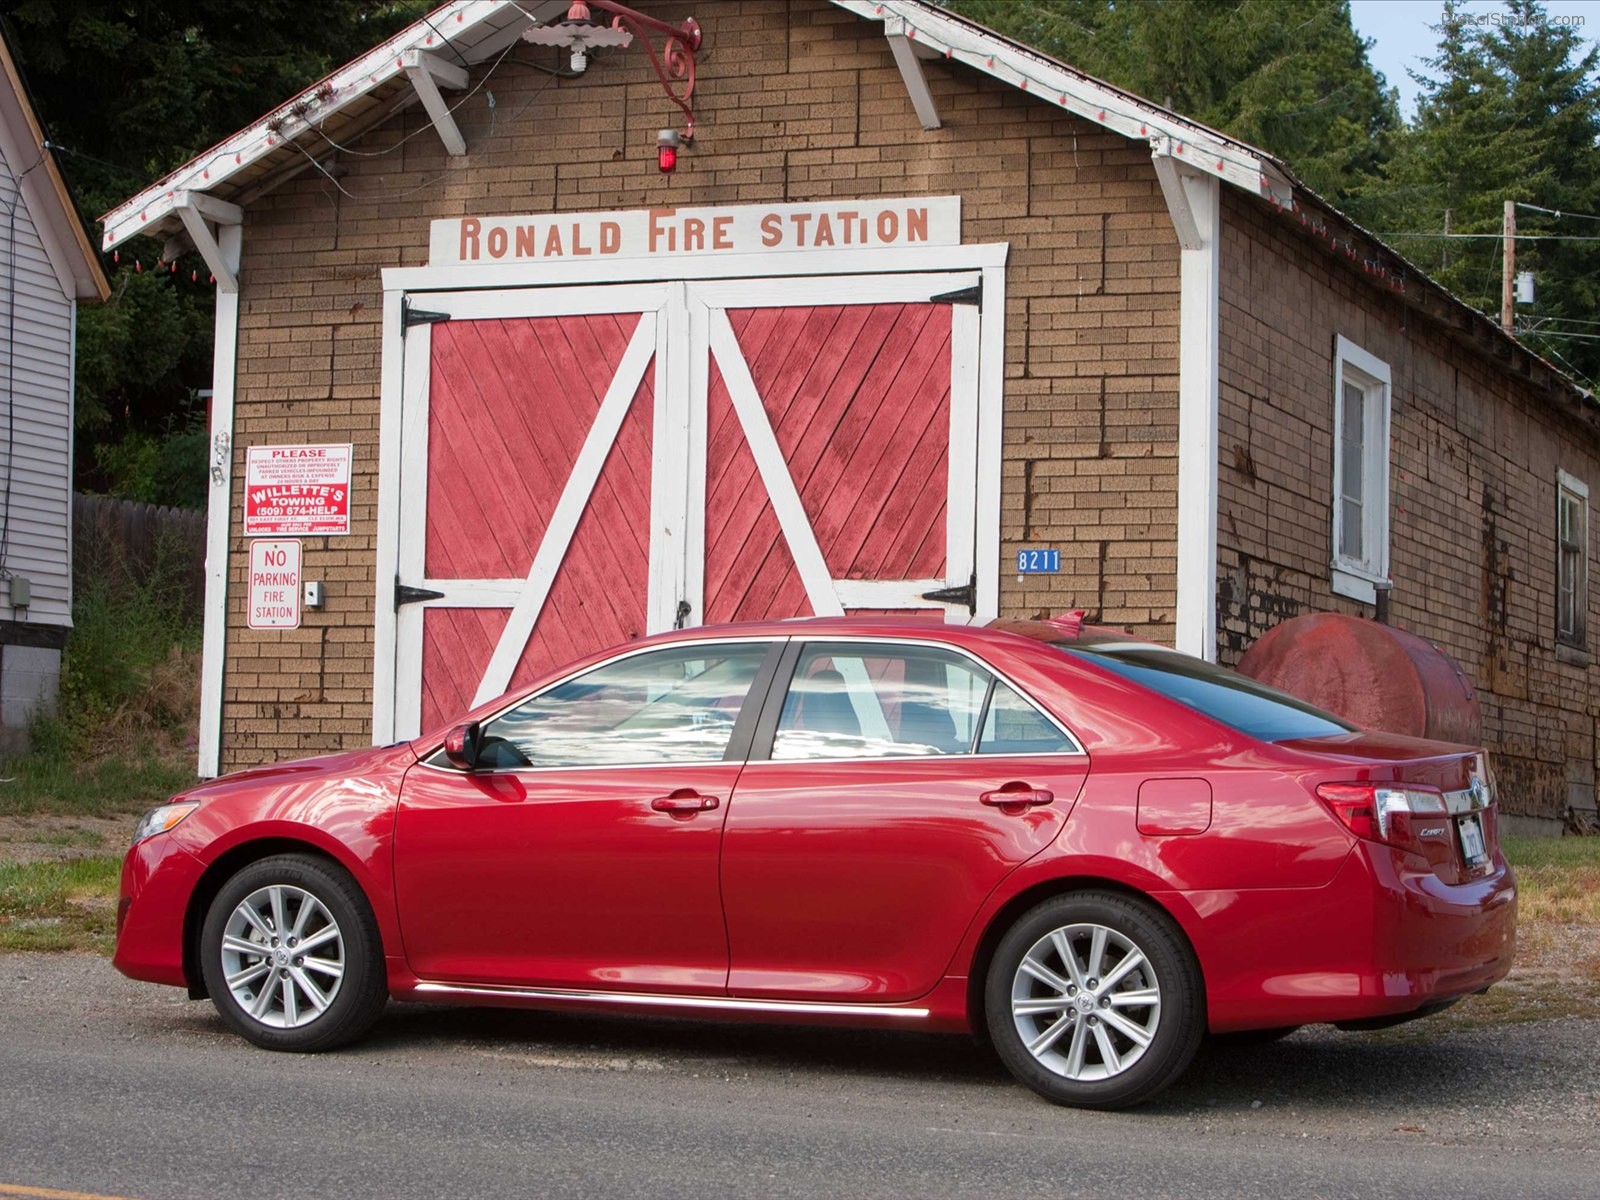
column 1382, row 813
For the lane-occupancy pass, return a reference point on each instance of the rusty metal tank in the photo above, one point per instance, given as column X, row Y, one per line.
column 1374, row 675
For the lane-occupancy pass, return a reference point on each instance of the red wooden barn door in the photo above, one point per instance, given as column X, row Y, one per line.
column 841, row 446
column 584, row 465
column 526, row 475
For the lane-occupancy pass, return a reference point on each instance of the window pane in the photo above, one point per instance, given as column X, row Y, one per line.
column 1354, row 424
column 675, row 705
column 1350, row 540
column 1350, row 472
column 1015, row 727
column 872, row 702
column 1235, row 700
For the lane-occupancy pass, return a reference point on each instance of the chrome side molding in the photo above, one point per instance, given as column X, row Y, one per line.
column 667, row 1000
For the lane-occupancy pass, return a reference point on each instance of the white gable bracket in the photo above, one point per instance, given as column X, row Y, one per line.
column 195, row 209
column 906, row 58
column 929, row 28
column 427, row 72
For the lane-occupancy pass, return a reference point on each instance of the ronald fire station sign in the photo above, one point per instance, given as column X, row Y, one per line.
column 297, row 491
column 675, row 232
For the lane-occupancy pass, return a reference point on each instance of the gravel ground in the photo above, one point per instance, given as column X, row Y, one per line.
column 122, row 1088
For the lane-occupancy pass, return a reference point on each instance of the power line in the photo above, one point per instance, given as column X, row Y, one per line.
column 1497, row 237
column 1556, row 212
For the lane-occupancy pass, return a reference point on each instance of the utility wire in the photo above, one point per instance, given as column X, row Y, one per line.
column 1498, row 237
column 1556, row 212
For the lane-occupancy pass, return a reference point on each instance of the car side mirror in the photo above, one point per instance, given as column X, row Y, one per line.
column 461, row 745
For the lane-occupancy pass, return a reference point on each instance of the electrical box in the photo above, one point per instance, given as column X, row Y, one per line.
column 21, row 591
column 313, row 595
column 1524, row 287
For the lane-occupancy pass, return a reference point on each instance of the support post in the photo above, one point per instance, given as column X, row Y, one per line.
column 219, row 505
column 1508, row 269
column 1195, row 205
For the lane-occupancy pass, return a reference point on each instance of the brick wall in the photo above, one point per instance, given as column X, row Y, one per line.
column 795, row 101
column 1473, row 460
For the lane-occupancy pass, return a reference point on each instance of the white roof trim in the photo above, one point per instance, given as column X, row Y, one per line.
column 378, row 66
column 1120, row 112
column 935, row 33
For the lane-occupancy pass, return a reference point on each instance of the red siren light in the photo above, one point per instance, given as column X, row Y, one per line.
column 667, row 142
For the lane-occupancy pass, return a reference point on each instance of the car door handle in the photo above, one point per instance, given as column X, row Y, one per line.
column 1018, row 795
column 684, row 800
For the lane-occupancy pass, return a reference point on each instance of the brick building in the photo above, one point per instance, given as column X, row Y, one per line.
column 1010, row 307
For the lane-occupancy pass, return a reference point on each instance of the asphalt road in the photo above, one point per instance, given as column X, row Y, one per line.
column 109, row 1087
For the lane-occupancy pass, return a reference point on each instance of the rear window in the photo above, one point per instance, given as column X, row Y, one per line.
column 1236, row 701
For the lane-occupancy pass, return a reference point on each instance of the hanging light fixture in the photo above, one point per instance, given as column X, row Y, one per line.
column 580, row 33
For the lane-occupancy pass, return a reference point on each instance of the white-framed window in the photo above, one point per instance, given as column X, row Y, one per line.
column 1572, row 561
column 1360, row 471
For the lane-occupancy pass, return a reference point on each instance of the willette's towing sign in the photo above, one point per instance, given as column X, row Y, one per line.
column 297, row 491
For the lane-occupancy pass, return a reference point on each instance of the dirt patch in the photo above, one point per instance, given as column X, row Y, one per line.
column 47, row 837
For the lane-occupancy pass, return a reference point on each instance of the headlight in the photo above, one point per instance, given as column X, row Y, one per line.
column 159, row 820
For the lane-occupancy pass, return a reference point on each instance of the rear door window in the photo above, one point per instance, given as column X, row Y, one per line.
column 1235, row 700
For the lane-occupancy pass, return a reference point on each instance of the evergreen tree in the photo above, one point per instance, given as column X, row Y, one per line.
column 1509, row 111
column 1290, row 77
column 129, row 90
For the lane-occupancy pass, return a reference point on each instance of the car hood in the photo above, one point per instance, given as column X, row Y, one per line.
column 303, row 770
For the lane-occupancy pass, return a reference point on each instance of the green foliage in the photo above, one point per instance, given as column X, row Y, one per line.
column 168, row 469
column 65, row 905
column 130, row 92
column 129, row 698
column 1292, row 78
column 1509, row 111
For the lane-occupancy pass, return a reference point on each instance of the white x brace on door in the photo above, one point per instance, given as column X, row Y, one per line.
column 581, row 465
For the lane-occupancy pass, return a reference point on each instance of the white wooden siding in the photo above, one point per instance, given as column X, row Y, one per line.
column 39, row 364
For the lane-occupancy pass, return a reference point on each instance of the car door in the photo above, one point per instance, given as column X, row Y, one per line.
column 889, row 791
column 583, row 852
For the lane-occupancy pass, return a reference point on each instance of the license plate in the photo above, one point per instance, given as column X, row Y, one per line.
column 1472, row 847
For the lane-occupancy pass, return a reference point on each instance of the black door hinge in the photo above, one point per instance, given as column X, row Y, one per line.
column 418, row 316
column 966, row 594
column 404, row 593
column 966, row 295
column 683, row 614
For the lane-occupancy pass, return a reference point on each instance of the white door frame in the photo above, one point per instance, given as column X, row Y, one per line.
column 679, row 319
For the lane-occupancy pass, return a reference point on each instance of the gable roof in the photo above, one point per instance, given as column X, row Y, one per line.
column 72, row 255
column 467, row 33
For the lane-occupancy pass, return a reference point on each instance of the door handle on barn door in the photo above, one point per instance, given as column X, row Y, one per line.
column 1018, row 796
column 684, row 800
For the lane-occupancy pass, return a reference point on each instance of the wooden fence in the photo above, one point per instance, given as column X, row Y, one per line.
column 127, row 544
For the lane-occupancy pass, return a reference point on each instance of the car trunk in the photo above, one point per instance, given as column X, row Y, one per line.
column 1431, row 800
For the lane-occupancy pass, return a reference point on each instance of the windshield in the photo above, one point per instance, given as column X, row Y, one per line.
column 1238, row 702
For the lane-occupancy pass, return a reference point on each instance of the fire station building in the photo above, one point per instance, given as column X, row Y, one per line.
column 919, row 319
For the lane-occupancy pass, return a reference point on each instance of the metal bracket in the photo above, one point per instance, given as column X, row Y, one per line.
column 966, row 295
column 418, row 316
column 966, row 594
column 404, row 593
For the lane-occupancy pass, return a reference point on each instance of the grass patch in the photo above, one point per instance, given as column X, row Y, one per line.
column 68, row 905
column 110, row 787
column 1558, row 879
column 129, row 702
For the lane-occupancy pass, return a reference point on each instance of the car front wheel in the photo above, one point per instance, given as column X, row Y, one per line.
column 1094, row 999
column 291, row 955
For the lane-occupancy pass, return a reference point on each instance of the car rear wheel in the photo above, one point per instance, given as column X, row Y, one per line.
column 291, row 955
column 1094, row 999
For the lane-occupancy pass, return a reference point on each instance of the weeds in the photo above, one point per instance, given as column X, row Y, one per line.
column 129, row 699
column 69, row 905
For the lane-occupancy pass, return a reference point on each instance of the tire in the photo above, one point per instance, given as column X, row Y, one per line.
column 1070, row 1052
column 280, row 999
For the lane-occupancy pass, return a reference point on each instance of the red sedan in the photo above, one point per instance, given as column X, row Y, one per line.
column 1092, row 848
